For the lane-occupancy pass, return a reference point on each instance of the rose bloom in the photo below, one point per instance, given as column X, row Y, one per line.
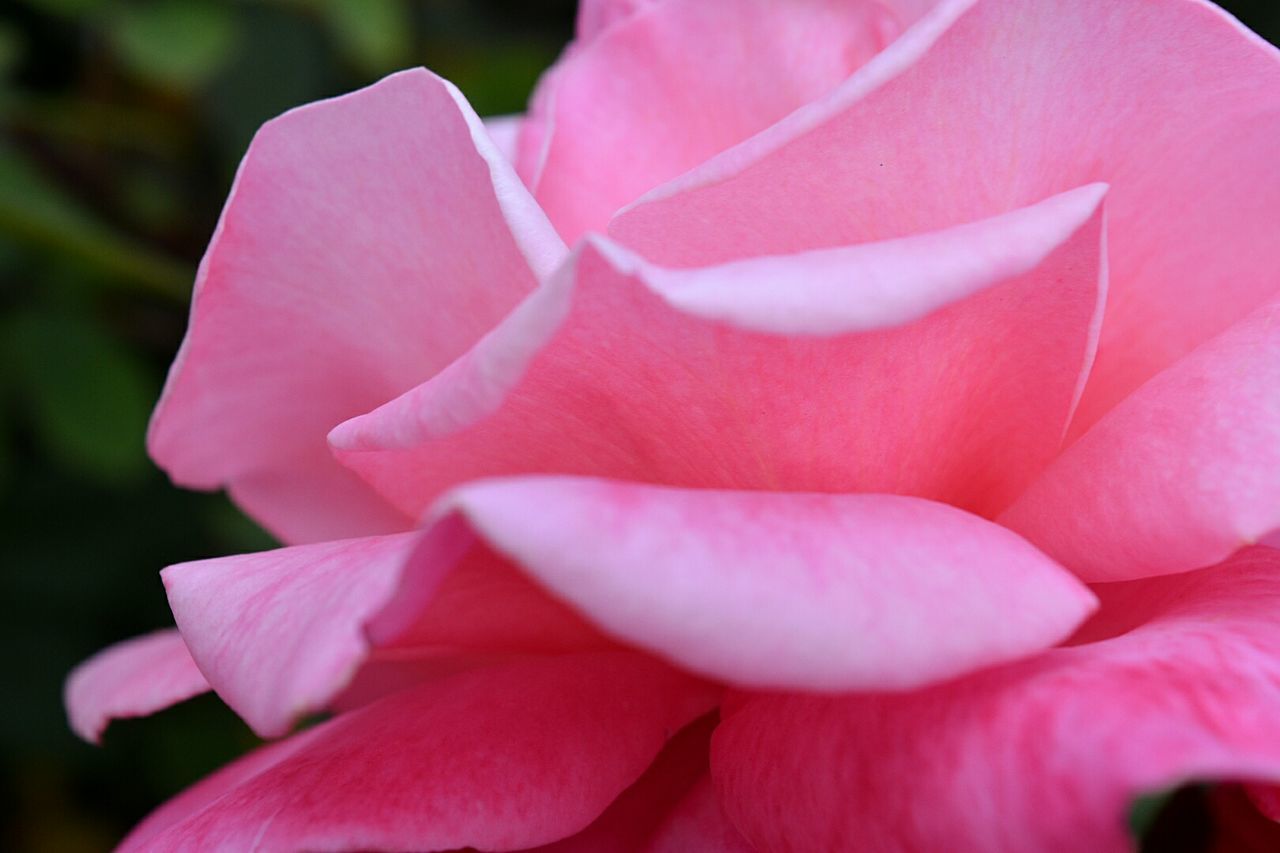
column 813, row 426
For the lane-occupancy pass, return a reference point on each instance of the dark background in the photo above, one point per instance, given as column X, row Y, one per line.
column 121, row 124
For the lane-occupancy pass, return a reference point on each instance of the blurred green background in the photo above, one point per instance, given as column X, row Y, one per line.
column 121, row 124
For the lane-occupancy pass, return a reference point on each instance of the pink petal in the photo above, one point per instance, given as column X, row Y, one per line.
column 504, row 131
column 131, row 679
column 651, row 90
column 368, row 241
column 898, row 367
column 279, row 633
column 595, row 16
column 698, row 825
column 1045, row 754
column 1179, row 475
column 812, row 592
column 809, row 591
column 499, row 758
column 639, row 811
column 284, row 633
column 987, row 106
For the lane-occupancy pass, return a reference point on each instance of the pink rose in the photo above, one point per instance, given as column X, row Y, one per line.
column 846, row 495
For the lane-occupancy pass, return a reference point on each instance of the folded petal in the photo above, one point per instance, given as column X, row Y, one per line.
column 1045, row 754
column 638, row 812
column 498, row 759
column 815, row 592
column 285, row 633
column 986, row 106
column 279, row 633
column 505, row 131
column 1179, row 475
column 131, row 679
column 944, row 366
column 673, row 83
column 811, row 592
column 368, row 241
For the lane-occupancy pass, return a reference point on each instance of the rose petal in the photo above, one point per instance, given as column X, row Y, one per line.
column 282, row 633
column 595, row 16
column 698, row 825
column 813, row 592
column 1045, row 754
column 505, row 132
column 819, row 592
column 131, row 679
column 1179, row 475
column 368, row 241
column 900, row 367
column 278, row 633
column 673, row 83
column 498, row 758
column 640, row 810
column 987, row 106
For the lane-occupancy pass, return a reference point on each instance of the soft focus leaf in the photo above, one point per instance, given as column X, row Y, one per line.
column 372, row 34
column 69, row 8
column 87, row 395
column 174, row 43
column 36, row 213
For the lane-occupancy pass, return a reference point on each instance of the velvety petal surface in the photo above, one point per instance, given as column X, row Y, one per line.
column 1181, row 474
column 944, row 366
column 987, row 106
column 131, row 679
column 1045, row 754
column 367, row 242
column 673, row 82
column 812, row 592
column 499, row 759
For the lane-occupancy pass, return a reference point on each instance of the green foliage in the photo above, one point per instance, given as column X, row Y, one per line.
column 174, row 43
column 87, row 395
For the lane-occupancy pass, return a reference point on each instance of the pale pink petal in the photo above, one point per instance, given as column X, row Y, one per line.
column 278, row 633
column 652, row 89
column 1045, row 754
column 498, row 759
column 818, row 592
column 944, row 366
column 987, row 106
column 698, row 825
column 783, row 590
column 505, row 132
column 368, row 241
column 282, row 633
column 131, row 679
column 595, row 16
column 641, row 810
column 1181, row 474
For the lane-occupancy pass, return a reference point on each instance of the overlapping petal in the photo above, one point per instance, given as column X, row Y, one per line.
column 1179, row 475
column 1045, row 754
column 816, row 592
column 499, row 758
column 368, row 241
column 944, row 366
column 279, row 633
column 812, row 592
column 673, row 83
column 131, row 679
column 986, row 106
